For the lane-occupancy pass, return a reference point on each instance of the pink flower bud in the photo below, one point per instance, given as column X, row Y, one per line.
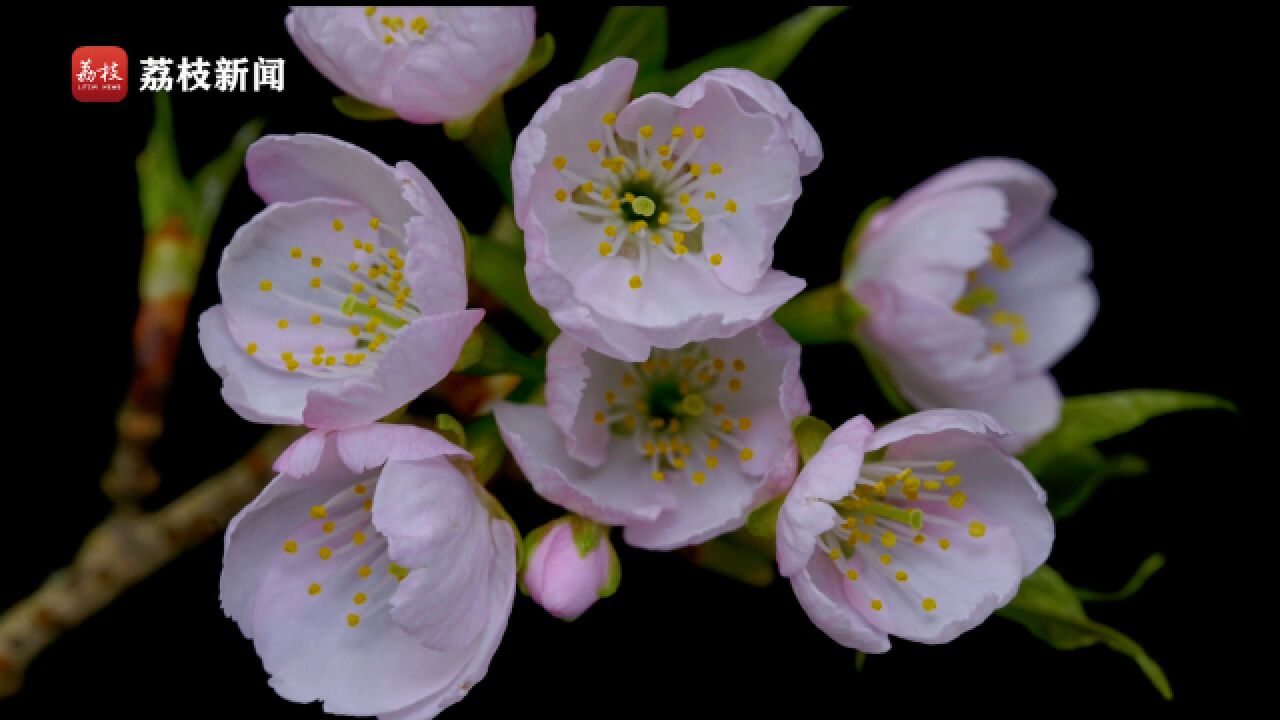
column 569, row 564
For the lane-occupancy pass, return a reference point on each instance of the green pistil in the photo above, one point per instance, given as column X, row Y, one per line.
column 913, row 517
column 353, row 306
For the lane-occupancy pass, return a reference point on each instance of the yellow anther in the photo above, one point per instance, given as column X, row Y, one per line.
column 664, row 150
column 325, row 553
column 997, row 348
column 646, row 131
column 851, row 574
column 695, row 169
column 957, row 500
column 746, row 454
column 360, row 489
column 594, row 145
column 282, row 324
column 999, row 257
column 680, row 249
column 731, row 206
column 337, row 225
column 354, row 267
column 886, row 558
column 1020, row 336
column 374, row 223
column 314, row 589
column 699, row 477
column 658, row 476
column 330, row 360
column 328, row 526
column 699, row 131
column 677, row 236
column 900, row 576
column 726, row 426
column 358, row 538
column 744, row 423
column 944, row 543
column 251, row 348
column 713, row 462
column 359, row 598
column 291, row 546
column 599, row 418
column 834, row 553
column 353, row 619
column 318, row 512
column 664, row 217
column 609, row 118
column 559, row 162
column 562, row 195
column 677, row 132
column 877, row 605
column 952, row 480
column 929, row 604
column 364, row 571
column 388, row 39
column 945, row 466
column 710, row 195
column 735, row 385
column 635, row 283
column 977, row 529
column 715, row 259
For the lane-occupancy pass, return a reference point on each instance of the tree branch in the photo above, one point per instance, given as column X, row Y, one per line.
column 127, row 547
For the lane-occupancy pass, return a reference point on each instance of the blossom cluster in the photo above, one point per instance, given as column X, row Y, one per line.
column 376, row 573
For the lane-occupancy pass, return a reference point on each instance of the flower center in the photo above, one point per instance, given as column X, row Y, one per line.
column 982, row 301
column 342, row 551
column 645, row 195
column 337, row 311
column 675, row 408
column 392, row 28
column 887, row 512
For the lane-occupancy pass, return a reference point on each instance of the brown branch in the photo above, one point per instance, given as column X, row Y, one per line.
column 127, row 547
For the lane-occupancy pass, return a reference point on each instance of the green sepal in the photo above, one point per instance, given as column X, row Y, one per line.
column 859, row 227
column 810, row 432
column 1149, row 567
column 586, row 535
column 448, row 426
column 484, row 442
column 615, row 575
column 358, row 109
column 763, row 521
column 471, row 351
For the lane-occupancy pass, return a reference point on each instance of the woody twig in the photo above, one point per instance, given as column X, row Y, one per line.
column 127, row 547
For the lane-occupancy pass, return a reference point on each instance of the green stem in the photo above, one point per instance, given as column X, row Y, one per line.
column 488, row 138
column 500, row 270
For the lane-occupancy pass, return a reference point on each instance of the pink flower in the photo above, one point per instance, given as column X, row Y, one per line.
column 651, row 222
column 973, row 293
column 428, row 64
column 346, row 297
column 676, row 449
column 371, row 573
column 923, row 540
column 570, row 564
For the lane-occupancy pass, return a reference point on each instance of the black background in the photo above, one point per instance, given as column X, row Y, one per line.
column 1130, row 117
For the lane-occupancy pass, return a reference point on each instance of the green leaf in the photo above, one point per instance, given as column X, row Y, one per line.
column 1072, row 477
column 1048, row 607
column 453, row 431
column 763, row 521
column 357, row 109
column 766, row 55
column 1089, row 419
column 500, row 270
column 211, row 183
column 1149, row 567
column 638, row 32
column 810, row 432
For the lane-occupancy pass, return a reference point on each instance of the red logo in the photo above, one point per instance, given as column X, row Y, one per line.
column 99, row 74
